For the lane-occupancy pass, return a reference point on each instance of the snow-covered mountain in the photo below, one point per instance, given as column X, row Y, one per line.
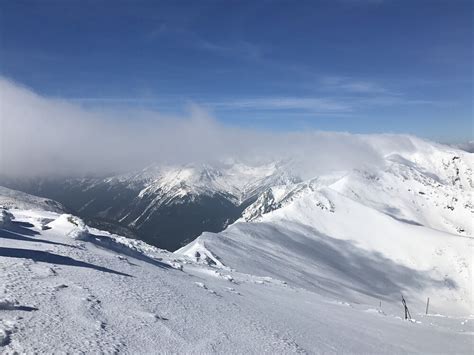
column 415, row 181
column 154, row 202
column 13, row 199
column 430, row 186
column 364, row 235
column 236, row 181
column 68, row 288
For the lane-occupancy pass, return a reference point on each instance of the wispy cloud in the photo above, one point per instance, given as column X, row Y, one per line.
column 346, row 104
column 363, row 2
column 286, row 103
column 346, row 84
column 388, row 100
column 352, row 102
column 99, row 99
column 231, row 47
column 243, row 49
column 159, row 30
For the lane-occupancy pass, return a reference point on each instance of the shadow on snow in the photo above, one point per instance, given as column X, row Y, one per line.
column 47, row 257
column 333, row 265
column 110, row 244
column 13, row 234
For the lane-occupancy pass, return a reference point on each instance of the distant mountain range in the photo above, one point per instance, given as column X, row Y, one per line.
column 166, row 206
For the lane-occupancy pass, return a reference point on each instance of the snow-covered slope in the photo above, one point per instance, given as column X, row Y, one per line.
column 364, row 235
column 16, row 199
column 69, row 288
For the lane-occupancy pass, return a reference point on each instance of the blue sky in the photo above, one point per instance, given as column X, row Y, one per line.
column 349, row 65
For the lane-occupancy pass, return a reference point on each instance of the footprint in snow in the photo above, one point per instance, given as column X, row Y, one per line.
column 233, row 290
column 224, row 276
column 42, row 271
column 5, row 333
column 228, row 278
column 200, row 284
column 60, row 287
column 125, row 259
column 148, row 315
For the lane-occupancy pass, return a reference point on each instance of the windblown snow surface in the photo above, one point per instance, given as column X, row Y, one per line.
column 16, row 199
column 317, row 266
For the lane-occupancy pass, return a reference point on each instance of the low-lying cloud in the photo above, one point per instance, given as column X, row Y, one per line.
column 47, row 136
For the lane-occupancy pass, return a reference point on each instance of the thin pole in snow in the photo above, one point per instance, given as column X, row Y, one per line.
column 427, row 304
column 407, row 312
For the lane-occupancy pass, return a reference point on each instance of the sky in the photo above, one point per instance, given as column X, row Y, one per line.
column 360, row 66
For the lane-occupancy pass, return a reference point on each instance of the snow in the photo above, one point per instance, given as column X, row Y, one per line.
column 237, row 181
column 200, row 254
column 4, row 337
column 16, row 199
column 322, row 250
column 365, row 235
column 67, row 295
column 313, row 266
column 5, row 217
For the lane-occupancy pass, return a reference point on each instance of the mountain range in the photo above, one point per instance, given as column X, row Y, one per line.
column 166, row 206
column 169, row 206
column 280, row 259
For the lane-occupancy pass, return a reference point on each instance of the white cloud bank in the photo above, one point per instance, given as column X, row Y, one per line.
column 44, row 136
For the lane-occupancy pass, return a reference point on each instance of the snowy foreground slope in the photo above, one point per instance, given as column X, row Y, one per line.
column 63, row 290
